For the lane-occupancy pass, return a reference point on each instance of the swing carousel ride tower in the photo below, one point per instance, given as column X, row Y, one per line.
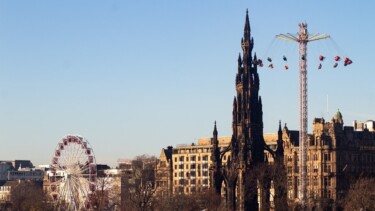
column 303, row 38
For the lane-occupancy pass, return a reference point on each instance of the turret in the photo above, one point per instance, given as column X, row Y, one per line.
column 246, row 34
column 338, row 122
column 215, row 132
column 338, row 118
column 280, row 148
column 216, row 161
column 234, row 113
column 285, row 129
column 245, row 42
column 280, row 132
column 239, row 71
column 239, row 61
column 255, row 59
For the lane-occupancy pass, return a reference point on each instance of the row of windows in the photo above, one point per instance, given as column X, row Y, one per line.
column 162, row 174
column 161, row 184
column 313, row 194
column 192, row 174
column 26, row 173
column 326, row 181
column 322, row 142
column 192, row 166
column 192, row 158
column 326, row 169
column 326, row 157
column 5, row 188
column 191, row 182
column 367, row 169
column 194, row 150
column 190, row 190
column 4, row 197
column 365, row 158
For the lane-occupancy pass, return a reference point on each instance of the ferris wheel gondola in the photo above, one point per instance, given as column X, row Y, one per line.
column 73, row 174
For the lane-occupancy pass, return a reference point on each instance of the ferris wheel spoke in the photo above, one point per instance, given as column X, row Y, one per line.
column 85, row 169
column 79, row 184
column 74, row 170
column 80, row 159
column 82, row 153
column 70, row 157
column 74, row 153
column 64, row 157
column 63, row 192
column 75, row 194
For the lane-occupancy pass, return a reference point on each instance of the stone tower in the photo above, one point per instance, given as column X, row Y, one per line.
column 247, row 144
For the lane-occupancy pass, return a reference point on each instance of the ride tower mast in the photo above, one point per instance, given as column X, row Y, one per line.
column 303, row 38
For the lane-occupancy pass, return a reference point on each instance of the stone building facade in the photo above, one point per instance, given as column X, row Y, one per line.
column 185, row 169
column 164, row 172
column 337, row 155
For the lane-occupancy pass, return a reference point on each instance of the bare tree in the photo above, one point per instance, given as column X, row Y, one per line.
column 141, row 196
column 205, row 200
column 361, row 195
column 107, row 194
column 177, row 202
column 209, row 200
column 28, row 195
column 279, row 178
column 138, row 188
column 114, row 194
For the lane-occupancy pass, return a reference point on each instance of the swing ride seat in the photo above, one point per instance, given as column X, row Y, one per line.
column 347, row 61
column 260, row 63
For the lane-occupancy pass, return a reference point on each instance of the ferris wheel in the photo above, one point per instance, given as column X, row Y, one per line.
column 73, row 174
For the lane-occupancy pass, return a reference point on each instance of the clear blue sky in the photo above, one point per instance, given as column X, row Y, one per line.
column 136, row 76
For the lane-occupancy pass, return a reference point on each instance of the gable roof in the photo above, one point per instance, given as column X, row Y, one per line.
column 168, row 152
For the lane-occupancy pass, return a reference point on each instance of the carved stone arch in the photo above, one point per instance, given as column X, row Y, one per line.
column 222, row 189
column 230, row 190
